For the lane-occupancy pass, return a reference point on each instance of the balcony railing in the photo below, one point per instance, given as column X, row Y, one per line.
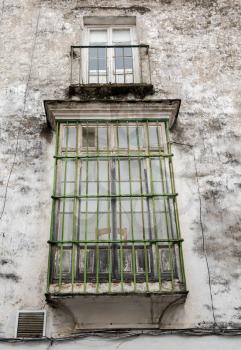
column 110, row 64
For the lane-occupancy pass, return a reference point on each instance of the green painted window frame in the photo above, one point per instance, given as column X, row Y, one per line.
column 159, row 245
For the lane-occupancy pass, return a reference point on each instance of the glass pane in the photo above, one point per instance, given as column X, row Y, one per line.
column 153, row 139
column 97, row 64
column 69, row 137
column 88, row 136
column 102, row 137
column 119, row 63
column 119, row 52
column 93, row 52
column 166, row 260
column 93, row 64
column 103, row 260
column 94, row 177
column 67, row 177
column 127, row 51
column 122, row 137
column 156, row 169
column 90, row 261
column 121, row 35
column 95, row 219
column 126, row 263
column 128, row 63
column 132, row 216
column 65, row 219
column 133, row 136
column 101, row 52
column 164, row 218
column 142, row 260
column 98, row 36
column 63, row 263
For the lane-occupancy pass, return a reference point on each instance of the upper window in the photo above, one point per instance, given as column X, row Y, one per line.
column 112, row 56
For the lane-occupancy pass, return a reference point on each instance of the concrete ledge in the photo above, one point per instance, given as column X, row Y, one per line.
column 111, row 109
column 84, row 91
column 134, row 311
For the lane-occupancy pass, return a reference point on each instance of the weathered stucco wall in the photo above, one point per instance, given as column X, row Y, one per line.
column 195, row 56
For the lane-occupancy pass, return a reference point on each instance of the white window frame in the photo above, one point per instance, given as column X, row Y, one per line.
column 110, row 51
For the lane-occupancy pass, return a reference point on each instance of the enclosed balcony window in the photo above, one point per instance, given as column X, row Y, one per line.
column 115, row 219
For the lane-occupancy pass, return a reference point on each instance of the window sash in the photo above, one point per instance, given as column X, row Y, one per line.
column 116, row 65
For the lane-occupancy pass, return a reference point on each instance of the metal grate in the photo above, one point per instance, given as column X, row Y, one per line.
column 115, row 217
column 31, row 324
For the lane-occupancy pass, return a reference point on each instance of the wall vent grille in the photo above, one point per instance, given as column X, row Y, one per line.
column 31, row 324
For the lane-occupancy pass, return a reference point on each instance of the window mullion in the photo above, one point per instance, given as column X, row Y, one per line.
column 120, row 207
column 109, row 163
column 63, row 209
column 131, row 207
column 74, row 233
column 140, row 161
column 97, row 248
column 53, row 252
column 175, row 205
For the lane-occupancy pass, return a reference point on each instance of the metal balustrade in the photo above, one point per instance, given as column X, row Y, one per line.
column 110, row 64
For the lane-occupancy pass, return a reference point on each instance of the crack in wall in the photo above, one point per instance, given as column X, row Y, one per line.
column 24, row 108
column 202, row 229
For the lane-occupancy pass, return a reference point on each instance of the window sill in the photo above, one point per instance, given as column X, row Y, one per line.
column 102, row 91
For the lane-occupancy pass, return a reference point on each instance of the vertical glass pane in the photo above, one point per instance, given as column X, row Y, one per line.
column 133, row 136
column 67, row 177
column 119, row 62
column 103, row 260
column 65, row 219
column 140, row 137
column 142, row 260
column 102, row 137
column 63, row 264
column 98, row 36
column 168, row 264
column 127, row 51
column 122, row 136
column 139, row 224
column 128, row 63
column 93, row 64
column 96, row 222
column 91, row 261
column 123, row 217
column 88, row 136
column 153, row 140
column 87, row 219
column 162, row 137
column 69, row 138
column 127, row 260
column 94, row 177
column 121, row 36
column 123, row 177
column 104, row 185
column 165, row 220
